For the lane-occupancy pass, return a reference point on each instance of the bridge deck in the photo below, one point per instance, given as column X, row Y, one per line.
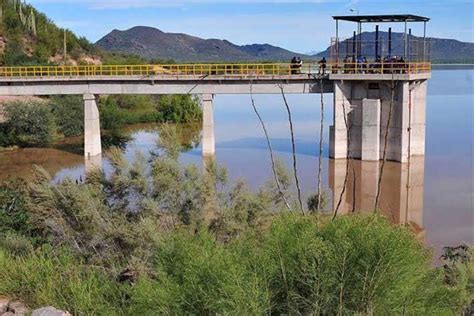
column 195, row 78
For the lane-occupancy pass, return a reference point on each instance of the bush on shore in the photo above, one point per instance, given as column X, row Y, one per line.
column 159, row 238
column 27, row 123
column 33, row 123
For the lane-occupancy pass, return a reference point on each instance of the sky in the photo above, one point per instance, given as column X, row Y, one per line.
column 298, row 25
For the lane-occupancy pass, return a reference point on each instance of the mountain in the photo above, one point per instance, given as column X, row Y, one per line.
column 442, row 50
column 152, row 43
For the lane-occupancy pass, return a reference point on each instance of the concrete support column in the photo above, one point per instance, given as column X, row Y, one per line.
column 366, row 108
column 92, row 142
column 418, row 117
column 338, row 131
column 370, row 150
column 208, row 142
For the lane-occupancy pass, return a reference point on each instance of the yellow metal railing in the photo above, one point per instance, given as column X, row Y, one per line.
column 209, row 70
column 380, row 68
column 148, row 70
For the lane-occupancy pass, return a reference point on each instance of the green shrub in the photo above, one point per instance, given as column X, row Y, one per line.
column 197, row 276
column 353, row 265
column 27, row 123
column 14, row 217
column 68, row 113
column 179, row 109
column 49, row 277
column 111, row 117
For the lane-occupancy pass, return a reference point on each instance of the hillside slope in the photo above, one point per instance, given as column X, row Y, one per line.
column 442, row 50
column 28, row 36
column 152, row 43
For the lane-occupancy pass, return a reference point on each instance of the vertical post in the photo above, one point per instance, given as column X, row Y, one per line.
column 390, row 41
column 360, row 39
column 208, row 142
column 409, row 45
column 376, row 42
column 337, row 42
column 424, row 42
column 92, row 141
column 354, row 40
column 405, row 42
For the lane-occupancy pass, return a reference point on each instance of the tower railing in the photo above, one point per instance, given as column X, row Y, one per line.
column 381, row 56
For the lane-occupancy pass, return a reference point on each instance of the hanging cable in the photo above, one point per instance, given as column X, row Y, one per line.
column 389, row 120
column 321, row 130
column 409, row 154
column 269, row 144
column 295, row 169
column 348, row 157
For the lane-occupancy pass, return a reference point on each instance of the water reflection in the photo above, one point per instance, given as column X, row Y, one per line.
column 18, row 163
column 401, row 194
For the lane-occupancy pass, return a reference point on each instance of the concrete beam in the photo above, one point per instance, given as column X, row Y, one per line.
column 148, row 86
column 92, row 141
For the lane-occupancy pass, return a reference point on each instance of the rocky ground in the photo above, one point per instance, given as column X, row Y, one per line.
column 15, row 308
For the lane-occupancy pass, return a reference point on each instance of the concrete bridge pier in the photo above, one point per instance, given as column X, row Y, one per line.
column 92, row 141
column 362, row 110
column 208, row 141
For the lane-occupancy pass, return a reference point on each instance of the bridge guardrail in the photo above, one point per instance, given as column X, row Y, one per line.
column 149, row 70
column 380, row 68
column 209, row 70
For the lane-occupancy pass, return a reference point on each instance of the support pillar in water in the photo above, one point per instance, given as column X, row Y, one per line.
column 92, row 141
column 360, row 106
column 208, row 140
column 370, row 144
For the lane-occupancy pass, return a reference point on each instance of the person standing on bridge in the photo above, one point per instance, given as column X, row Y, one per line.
column 294, row 65
column 322, row 66
column 300, row 64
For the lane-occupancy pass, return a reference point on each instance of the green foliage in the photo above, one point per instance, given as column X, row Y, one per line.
column 14, row 218
column 68, row 113
column 27, row 123
column 195, row 275
column 158, row 238
column 116, row 58
column 47, row 277
column 111, row 117
column 353, row 265
column 312, row 202
column 459, row 272
column 179, row 109
column 38, row 34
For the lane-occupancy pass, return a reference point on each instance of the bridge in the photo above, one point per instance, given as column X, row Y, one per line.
column 372, row 96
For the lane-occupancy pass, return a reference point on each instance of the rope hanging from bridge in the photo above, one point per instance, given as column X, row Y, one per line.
column 348, row 129
column 409, row 153
column 269, row 144
column 384, row 160
column 295, row 169
column 320, row 167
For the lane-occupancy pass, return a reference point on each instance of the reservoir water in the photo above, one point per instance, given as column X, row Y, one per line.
column 434, row 194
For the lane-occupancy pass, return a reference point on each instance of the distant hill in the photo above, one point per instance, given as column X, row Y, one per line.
column 442, row 50
column 152, row 43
